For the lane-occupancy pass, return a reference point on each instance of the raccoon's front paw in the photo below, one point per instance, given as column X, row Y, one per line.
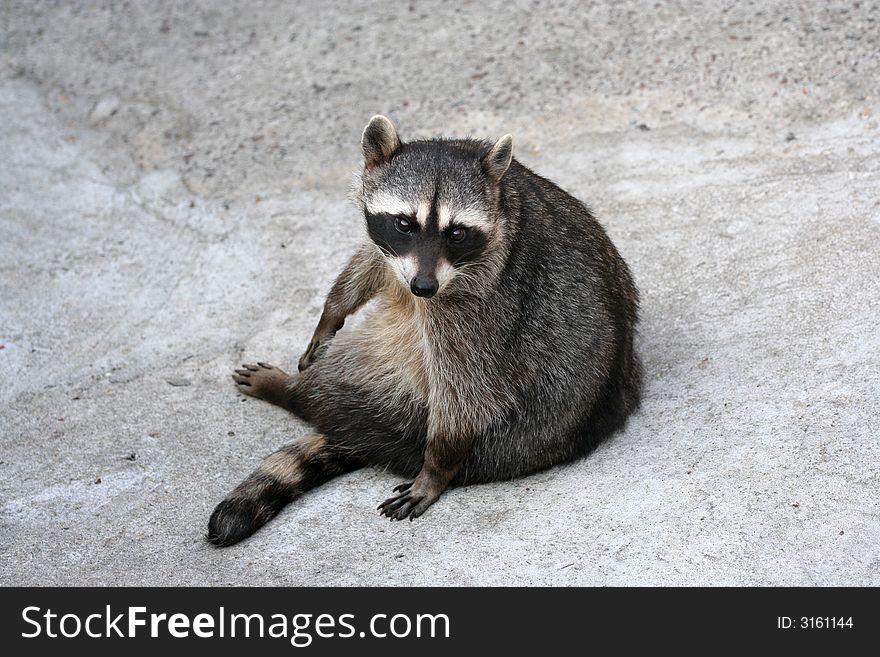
column 314, row 351
column 414, row 499
column 263, row 381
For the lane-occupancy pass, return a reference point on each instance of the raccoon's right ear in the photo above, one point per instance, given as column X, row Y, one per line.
column 497, row 160
column 379, row 141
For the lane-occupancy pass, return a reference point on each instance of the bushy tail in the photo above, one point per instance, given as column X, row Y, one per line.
column 281, row 477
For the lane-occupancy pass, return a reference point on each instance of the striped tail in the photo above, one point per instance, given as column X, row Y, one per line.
column 281, row 478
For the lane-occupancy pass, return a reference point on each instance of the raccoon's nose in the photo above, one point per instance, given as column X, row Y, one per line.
column 424, row 287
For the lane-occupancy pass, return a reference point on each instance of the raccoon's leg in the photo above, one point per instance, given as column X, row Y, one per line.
column 357, row 284
column 445, row 451
column 282, row 477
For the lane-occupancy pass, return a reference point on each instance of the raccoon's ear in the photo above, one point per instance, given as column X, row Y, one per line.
column 379, row 141
column 497, row 160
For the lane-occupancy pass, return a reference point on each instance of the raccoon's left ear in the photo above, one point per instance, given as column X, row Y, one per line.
column 497, row 160
column 379, row 141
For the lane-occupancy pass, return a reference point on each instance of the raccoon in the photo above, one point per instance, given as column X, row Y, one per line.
column 500, row 343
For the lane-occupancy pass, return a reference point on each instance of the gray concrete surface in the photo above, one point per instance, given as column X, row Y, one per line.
column 173, row 182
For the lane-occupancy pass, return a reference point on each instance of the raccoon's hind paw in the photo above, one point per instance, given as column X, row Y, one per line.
column 412, row 502
column 263, row 381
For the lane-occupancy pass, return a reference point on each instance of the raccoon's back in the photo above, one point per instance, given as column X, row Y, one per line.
column 577, row 309
column 563, row 266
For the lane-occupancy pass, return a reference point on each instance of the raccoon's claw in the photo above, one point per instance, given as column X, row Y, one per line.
column 310, row 354
column 398, row 507
column 242, row 377
column 315, row 350
column 409, row 504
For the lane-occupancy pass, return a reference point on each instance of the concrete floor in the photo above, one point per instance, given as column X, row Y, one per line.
column 173, row 189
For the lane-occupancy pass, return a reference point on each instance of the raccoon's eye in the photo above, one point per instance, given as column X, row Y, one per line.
column 403, row 225
column 458, row 235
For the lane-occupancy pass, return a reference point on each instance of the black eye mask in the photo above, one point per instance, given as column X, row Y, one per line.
column 427, row 244
column 382, row 229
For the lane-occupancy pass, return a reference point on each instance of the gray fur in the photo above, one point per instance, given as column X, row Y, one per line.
column 525, row 359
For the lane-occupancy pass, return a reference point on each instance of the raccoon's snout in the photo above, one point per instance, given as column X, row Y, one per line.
column 424, row 287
